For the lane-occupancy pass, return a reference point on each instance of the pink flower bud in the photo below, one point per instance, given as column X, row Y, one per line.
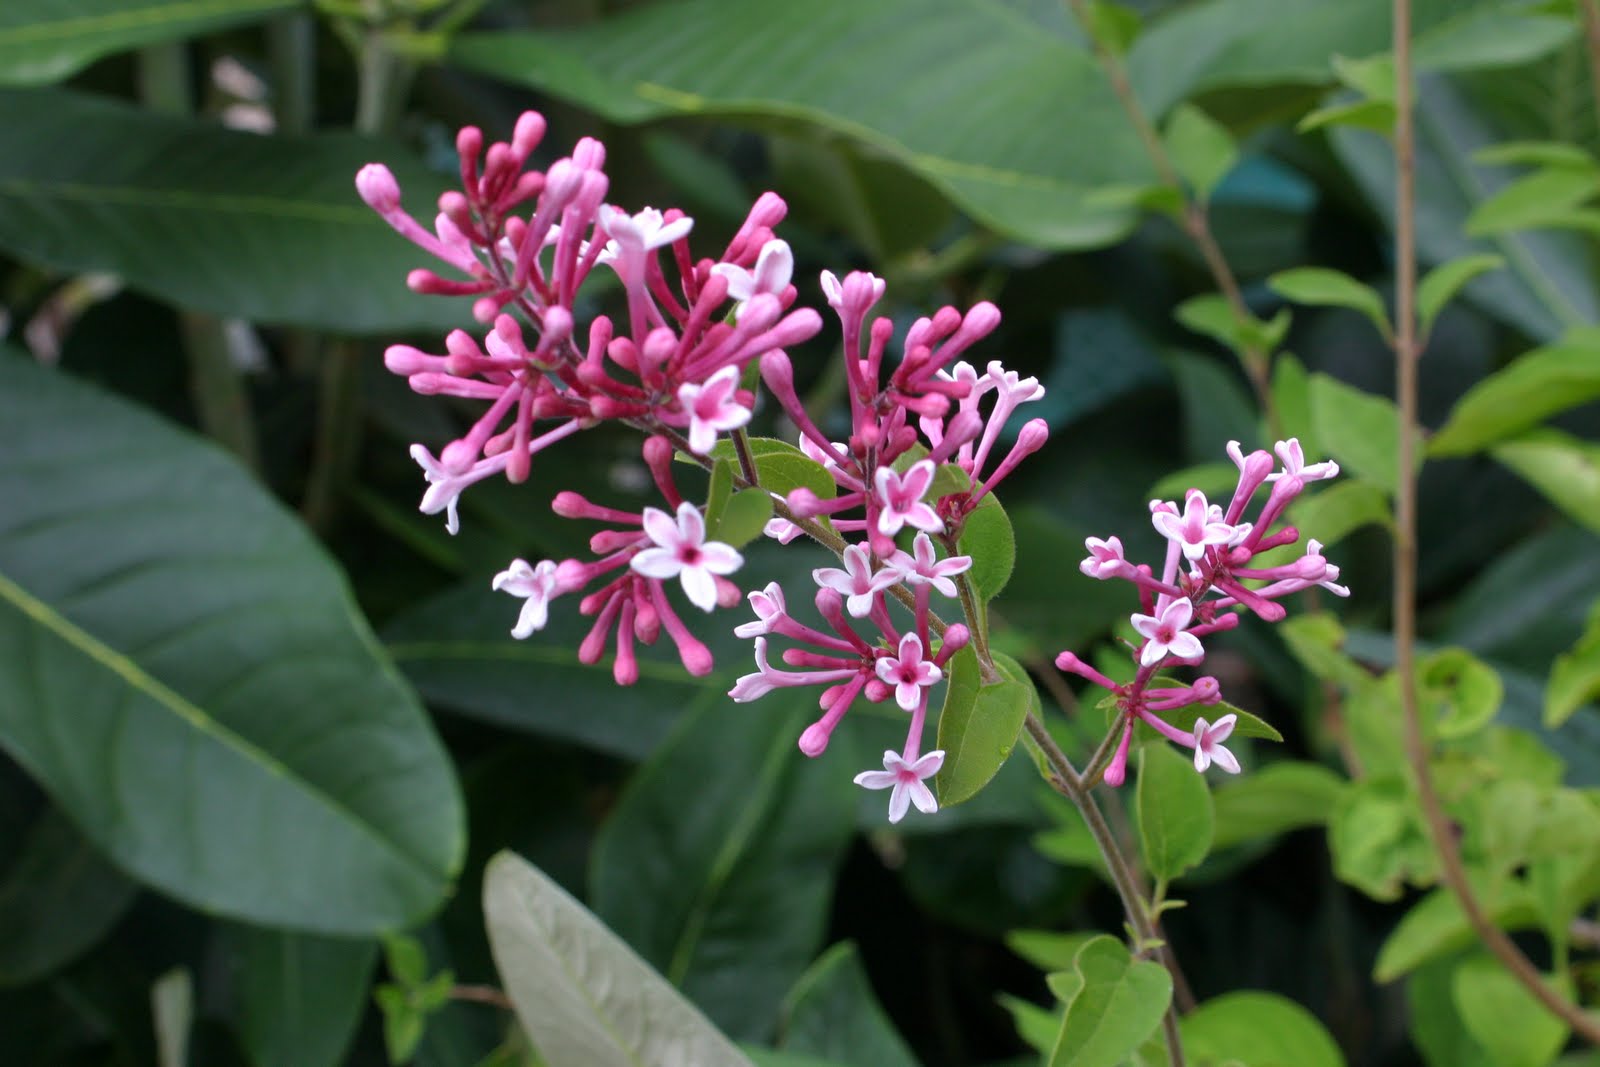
column 377, row 186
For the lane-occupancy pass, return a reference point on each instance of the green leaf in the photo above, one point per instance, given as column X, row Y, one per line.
column 300, row 997
column 832, row 1013
column 1360, row 430
column 781, row 467
column 1441, row 284
column 979, row 724
column 1436, row 1026
column 1322, row 287
column 1213, row 479
column 1317, row 641
column 1211, row 314
column 46, row 42
column 582, row 995
column 186, row 672
column 1375, row 115
column 1502, row 1016
column 1113, row 25
column 1546, row 286
column 1273, row 800
column 1202, row 149
column 1176, row 818
column 987, row 537
column 1538, row 154
column 1291, row 394
column 1377, row 839
column 743, row 519
column 1539, row 199
column 59, row 898
column 1339, row 510
column 1465, row 691
column 1574, row 676
column 263, row 227
column 1036, row 1026
column 1435, row 926
column 1371, row 76
column 1535, row 386
column 727, row 896
column 826, row 62
column 403, row 1022
column 1562, row 467
column 1260, row 1029
column 719, row 487
column 1048, row 950
column 406, row 960
column 1118, row 1002
column 1489, row 38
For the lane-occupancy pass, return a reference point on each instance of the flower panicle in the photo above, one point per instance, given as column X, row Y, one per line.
column 1209, row 576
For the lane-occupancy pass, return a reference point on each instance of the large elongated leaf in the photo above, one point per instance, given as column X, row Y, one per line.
column 301, row 996
column 582, row 995
column 1015, row 124
column 717, row 864
column 184, row 672
column 58, row 899
column 832, row 1013
column 263, row 227
column 46, row 40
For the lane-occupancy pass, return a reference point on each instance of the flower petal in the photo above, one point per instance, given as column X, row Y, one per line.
column 657, row 563
column 699, row 587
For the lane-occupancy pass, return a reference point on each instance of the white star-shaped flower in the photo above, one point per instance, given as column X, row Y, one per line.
column 681, row 551
column 537, row 585
column 713, row 408
column 908, row 782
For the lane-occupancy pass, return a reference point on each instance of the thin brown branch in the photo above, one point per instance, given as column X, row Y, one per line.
column 1407, row 352
column 482, row 994
column 1196, row 220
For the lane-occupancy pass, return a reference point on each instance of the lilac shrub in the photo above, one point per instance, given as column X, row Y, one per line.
column 892, row 499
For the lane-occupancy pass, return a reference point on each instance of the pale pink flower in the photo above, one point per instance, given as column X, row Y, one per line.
column 538, row 585
column 712, row 408
column 1208, row 748
column 1198, row 528
column 1294, row 463
column 908, row 672
column 681, row 551
column 632, row 236
column 908, row 782
column 857, row 581
column 900, row 499
column 769, row 608
column 774, row 267
column 1105, row 559
column 1164, row 634
column 922, row 567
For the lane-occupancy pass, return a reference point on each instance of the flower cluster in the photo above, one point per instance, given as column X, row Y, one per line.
column 522, row 243
column 890, row 662
column 1206, row 581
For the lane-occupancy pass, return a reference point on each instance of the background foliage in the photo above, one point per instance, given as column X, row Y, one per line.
column 263, row 727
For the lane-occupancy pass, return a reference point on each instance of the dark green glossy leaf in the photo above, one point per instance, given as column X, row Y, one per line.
column 979, row 724
column 976, row 109
column 58, row 899
column 582, row 995
column 45, row 41
column 205, row 668
column 301, row 997
column 832, row 1013
column 717, row 863
column 267, row 228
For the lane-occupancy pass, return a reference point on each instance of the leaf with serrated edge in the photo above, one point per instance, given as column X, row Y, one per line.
column 582, row 995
